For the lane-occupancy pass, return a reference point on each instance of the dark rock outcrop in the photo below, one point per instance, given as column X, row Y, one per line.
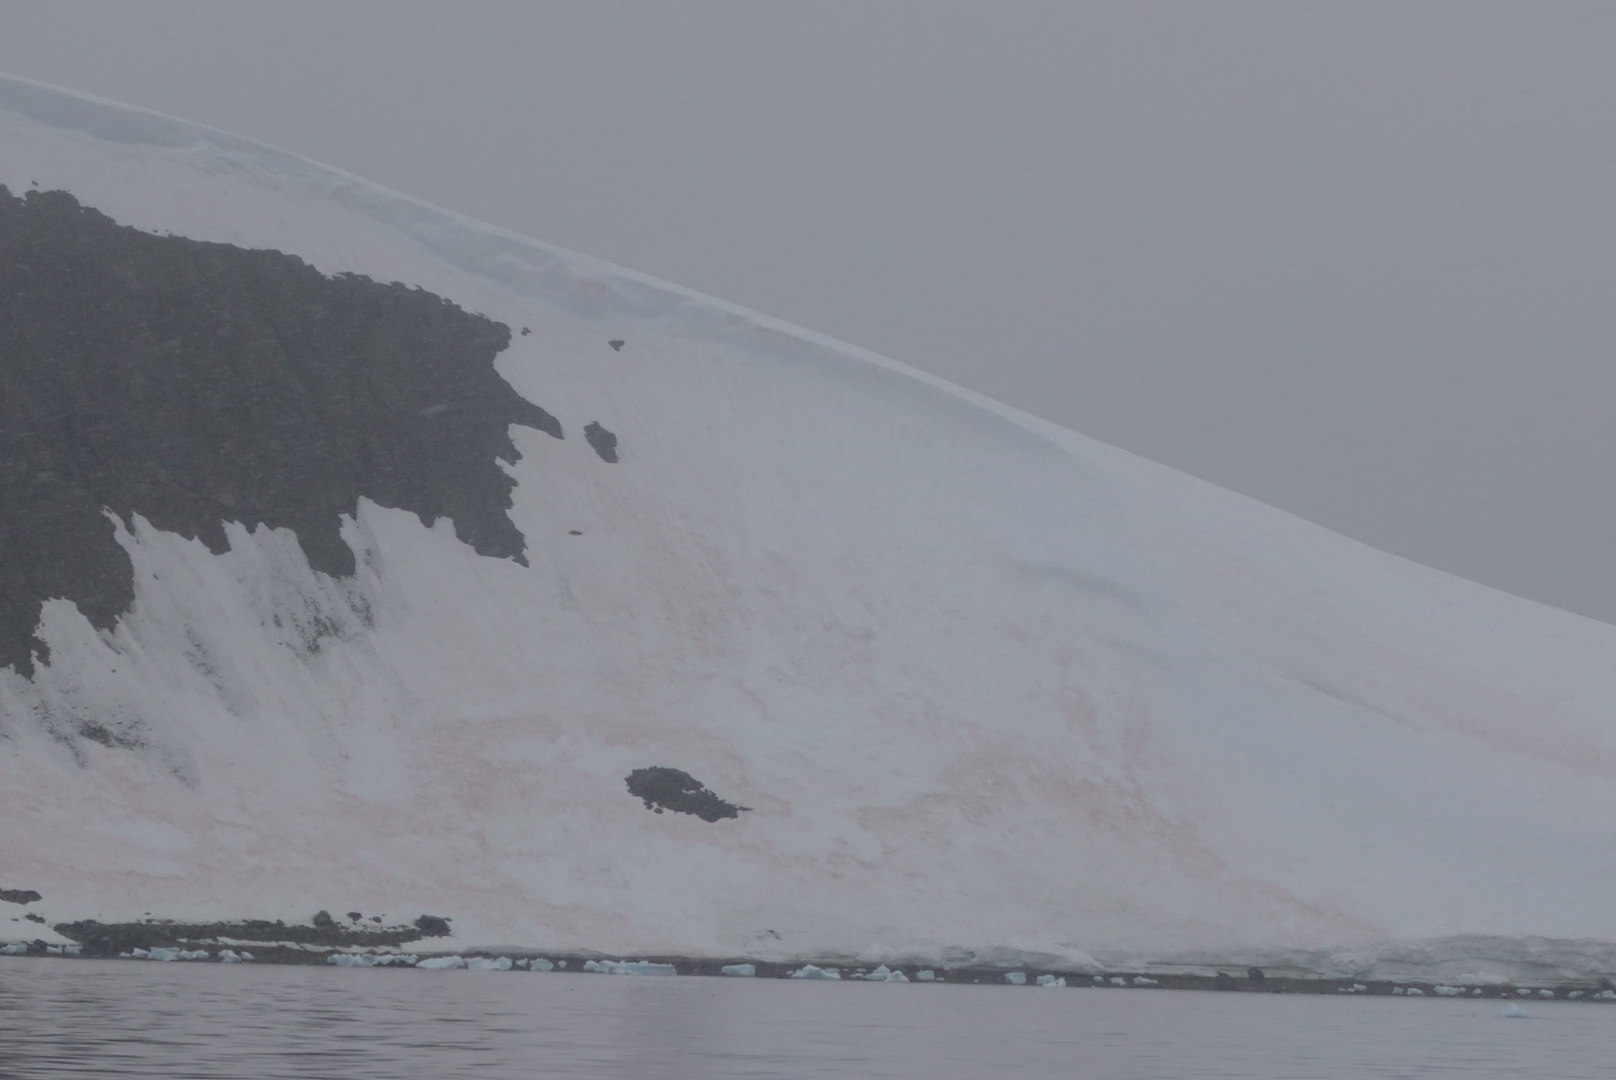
column 200, row 383
column 604, row 442
column 671, row 789
column 109, row 939
column 432, row 926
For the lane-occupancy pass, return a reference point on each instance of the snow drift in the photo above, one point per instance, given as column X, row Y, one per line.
column 898, row 672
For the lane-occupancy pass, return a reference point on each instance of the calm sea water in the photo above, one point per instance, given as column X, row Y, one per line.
column 181, row 1021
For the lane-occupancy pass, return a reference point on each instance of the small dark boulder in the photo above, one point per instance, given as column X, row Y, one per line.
column 432, row 926
column 616, row 344
column 19, row 896
column 34, row 917
column 604, row 442
column 670, row 789
column 1255, row 974
column 354, row 916
column 323, row 919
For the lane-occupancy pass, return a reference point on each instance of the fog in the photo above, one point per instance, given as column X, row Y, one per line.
column 1356, row 260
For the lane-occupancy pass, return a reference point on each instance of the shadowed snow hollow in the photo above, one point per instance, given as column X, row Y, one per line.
column 362, row 556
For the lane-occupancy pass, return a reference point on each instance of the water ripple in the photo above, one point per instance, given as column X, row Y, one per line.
column 215, row 1022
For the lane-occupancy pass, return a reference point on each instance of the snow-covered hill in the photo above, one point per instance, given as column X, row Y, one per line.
column 954, row 683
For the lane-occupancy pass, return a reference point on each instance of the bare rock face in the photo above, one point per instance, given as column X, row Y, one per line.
column 198, row 383
column 604, row 442
column 661, row 788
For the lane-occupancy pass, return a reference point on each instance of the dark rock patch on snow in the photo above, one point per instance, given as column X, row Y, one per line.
column 670, row 789
column 616, row 344
column 604, row 442
column 109, row 939
column 432, row 926
column 201, row 383
column 19, row 896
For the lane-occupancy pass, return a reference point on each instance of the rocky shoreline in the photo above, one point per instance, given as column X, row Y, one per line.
column 330, row 943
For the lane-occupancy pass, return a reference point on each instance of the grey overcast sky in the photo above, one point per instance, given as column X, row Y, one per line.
column 1356, row 259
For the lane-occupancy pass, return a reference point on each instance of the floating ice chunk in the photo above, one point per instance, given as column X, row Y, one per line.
column 194, row 954
column 139, row 953
column 1608, row 995
column 346, row 960
column 1523, row 993
column 1397, row 989
column 164, row 955
column 442, row 963
column 1118, row 980
column 809, row 971
column 541, row 964
column 1140, row 980
column 247, row 957
column 1513, row 1011
column 1015, row 978
column 1574, row 994
column 53, row 950
column 479, row 963
column 522, row 963
column 1447, row 991
column 228, row 956
column 630, row 967
column 925, row 975
column 72, row 950
column 1545, row 993
column 1358, row 988
column 1051, row 980
column 562, row 964
column 883, row 974
column 740, row 971
column 1414, row 991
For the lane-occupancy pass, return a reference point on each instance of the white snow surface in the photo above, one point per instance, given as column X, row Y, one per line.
column 993, row 691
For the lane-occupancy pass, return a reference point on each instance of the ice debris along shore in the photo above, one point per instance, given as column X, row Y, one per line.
column 1254, row 980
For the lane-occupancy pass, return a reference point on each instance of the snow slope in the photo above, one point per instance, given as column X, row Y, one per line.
column 988, row 688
